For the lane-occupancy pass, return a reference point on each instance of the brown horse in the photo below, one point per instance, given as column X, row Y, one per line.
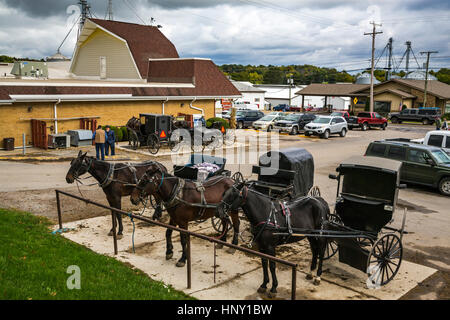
column 181, row 199
column 116, row 179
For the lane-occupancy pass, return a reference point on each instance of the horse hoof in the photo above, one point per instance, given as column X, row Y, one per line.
column 231, row 250
column 309, row 276
column 110, row 233
column 271, row 295
column 219, row 246
column 316, row 281
column 169, row 256
column 119, row 236
column 180, row 264
column 261, row 290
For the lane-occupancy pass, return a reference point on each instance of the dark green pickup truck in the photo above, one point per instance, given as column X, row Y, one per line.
column 425, row 165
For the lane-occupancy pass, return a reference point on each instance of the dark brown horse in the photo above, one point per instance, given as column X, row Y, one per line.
column 271, row 223
column 116, row 179
column 180, row 198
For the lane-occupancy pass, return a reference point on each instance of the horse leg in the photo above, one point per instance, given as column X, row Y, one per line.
column 273, row 292
column 169, row 245
column 314, row 250
column 236, row 223
column 322, row 244
column 263, row 287
column 115, row 202
column 183, row 239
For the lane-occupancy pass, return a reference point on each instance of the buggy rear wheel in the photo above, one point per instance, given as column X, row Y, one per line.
column 153, row 143
column 237, row 177
column 218, row 225
column 384, row 260
column 229, row 137
column 314, row 192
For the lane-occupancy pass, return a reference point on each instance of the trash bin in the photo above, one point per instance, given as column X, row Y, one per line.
column 8, row 144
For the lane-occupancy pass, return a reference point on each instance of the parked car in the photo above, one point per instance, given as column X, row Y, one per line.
column 281, row 107
column 267, row 122
column 367, row 120
column 245, row 118
column 294, row 122
column 295, row 108
column 323, row 126
column 343, row 114
column 422, row 164
column 424, row 115
column 436, row 138
column 278, row 113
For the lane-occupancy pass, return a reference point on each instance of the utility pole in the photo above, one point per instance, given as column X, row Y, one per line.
column 428, row 53
column 290, row 82
column 373, row 34
column 408, row 50
column 85, row 13
column 389, row 72
column 110, row 10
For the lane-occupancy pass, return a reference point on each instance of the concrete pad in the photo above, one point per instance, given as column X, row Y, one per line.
column 238, row 275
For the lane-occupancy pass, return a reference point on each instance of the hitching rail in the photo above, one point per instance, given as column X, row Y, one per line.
column 292, row 265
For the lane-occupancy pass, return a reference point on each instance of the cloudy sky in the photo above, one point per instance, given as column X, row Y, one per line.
column 327, row 33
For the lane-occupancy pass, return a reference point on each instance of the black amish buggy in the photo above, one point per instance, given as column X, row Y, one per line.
column 285, row 174
column 150, row 130
column 366, row 199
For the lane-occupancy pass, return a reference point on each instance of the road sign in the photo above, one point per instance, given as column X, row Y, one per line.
column 355, row 101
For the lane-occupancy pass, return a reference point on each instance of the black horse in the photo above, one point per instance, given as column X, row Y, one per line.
column 268, row 217
column 181, row 199
column 116, row 179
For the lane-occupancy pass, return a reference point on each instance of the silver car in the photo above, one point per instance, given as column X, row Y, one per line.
column 323, row 126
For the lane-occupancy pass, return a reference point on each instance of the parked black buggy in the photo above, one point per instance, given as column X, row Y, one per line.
column 366, row 199
column 154, row 130
column 285, row 174
column 151, row 130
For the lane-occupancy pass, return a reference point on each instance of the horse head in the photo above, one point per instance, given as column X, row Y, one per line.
column 232, row 198
column 148, row 184
column 78, row 167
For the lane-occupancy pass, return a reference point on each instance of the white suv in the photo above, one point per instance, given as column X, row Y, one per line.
column 323, row 126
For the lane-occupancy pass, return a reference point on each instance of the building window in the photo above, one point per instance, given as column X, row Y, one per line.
column 382, row 107
column 256, row 99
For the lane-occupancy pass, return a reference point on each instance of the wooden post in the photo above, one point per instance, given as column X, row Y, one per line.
column 58, row 206
column 294, row 283
column 114, row 232
column 189, row 279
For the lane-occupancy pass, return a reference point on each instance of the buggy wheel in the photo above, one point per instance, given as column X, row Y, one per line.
column 153, row 143
column 229, row 137
column 332, row 246
column 197, row 145
column 364, row 242
column 384, row 260
column 237, row 177
column 134, row 139
column 314, row 192
column 217, row 224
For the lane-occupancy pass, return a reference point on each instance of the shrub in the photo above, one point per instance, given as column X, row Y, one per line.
column 446, row 116
column 118, row 133
column 224, row 122
column 124, row 133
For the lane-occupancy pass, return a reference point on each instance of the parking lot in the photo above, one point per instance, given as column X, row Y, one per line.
column 426, row 243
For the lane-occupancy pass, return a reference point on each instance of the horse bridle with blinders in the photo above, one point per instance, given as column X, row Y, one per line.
column 89, row 161
column 242, row 196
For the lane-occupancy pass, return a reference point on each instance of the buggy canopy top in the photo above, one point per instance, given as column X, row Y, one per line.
column 298, row 160
column 371, row 177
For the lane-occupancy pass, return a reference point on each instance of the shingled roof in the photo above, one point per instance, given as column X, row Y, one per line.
column 335, row 89
column 145, row 42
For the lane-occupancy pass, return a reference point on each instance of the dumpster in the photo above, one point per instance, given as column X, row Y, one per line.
column 8, row 144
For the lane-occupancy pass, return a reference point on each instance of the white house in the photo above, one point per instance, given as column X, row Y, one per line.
column 337, row 103
column 280, row 93
column 250, row 94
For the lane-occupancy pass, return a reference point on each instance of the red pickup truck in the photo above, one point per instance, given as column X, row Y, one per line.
column 367, row 120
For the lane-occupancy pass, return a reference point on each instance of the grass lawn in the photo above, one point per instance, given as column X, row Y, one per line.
column 33, row 265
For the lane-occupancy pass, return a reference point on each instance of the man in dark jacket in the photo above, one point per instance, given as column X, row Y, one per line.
column 110, row 141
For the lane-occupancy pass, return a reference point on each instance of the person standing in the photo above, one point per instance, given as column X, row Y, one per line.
column 438, row 124
column 99, row 138
column 110, row 141
column 445, row 125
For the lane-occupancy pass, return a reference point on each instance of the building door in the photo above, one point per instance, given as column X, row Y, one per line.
column 102, row 67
